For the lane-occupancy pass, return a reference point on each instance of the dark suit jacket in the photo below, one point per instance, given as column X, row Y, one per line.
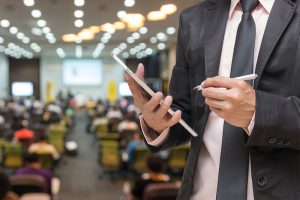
column 275, row 141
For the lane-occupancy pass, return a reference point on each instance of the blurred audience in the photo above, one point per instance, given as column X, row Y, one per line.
column 43, row 147
column 24, row 133
column 136, row 142
column 34, row 167
column 155, row 175
column 5, row 194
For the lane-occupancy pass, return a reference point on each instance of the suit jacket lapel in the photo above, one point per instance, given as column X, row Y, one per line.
column 280, row 16
column 215, row 20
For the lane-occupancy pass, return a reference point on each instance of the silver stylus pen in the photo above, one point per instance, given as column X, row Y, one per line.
column 244, row 78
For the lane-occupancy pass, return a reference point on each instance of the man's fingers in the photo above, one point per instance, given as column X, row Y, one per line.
column 152, row 104
column 214, row 103
column 136, row 90
column 221, row 82
column 164, row 106
column 174, row 119
column 215, row 93
column 140, row 71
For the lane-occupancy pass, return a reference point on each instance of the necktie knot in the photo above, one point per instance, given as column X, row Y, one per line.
column 248, row 5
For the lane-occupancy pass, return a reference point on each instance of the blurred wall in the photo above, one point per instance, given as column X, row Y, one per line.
column 4, row 73
column 51, row 70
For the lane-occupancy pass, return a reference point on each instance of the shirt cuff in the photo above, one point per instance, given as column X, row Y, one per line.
column 250, row 127
column 153, row 138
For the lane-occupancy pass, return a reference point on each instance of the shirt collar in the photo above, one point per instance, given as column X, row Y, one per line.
column 266, row 4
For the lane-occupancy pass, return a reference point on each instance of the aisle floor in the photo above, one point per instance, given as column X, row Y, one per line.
column 80, row 174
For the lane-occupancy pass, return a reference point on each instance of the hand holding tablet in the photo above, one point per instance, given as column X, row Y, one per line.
column 150, row 92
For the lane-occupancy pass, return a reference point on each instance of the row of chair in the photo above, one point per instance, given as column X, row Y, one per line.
column 110, row 156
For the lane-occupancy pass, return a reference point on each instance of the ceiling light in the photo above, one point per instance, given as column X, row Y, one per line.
column 52, row 40
column 13, row 30
column 142, row 46
column 49, row 36
column 116, row 51
column 95, row 29
column 78, row 51
column 79, row 2
column 37, row 31
column 168, row 9
column 171, row 30
column 5, row 23
column 37, row 49
column 143, row 30
column 69, row 38
column 119, row 25
column 161, row 46
column 139, row 56
column 132, row 51
column 123, row 46
column 36, row 13
column 156, row 16
column 134, row 21
column 121, row 14
column 78, row 23
column 78, row 13
column 130, row 40
column 61, row 53
column 107, row 36
column 11, row 45
column 86, row 34
column 149, row 51
column 20, row 35
column 153, row 40
column 104, row 40
column 46, row 30
column 28, row 2
column 33, row 45
column 136, row 36
column 162, row 37
column 1, row 40
column 26, row 40
column 41, row 23
column 108, row 28
column 125, row 55
column 129, row 3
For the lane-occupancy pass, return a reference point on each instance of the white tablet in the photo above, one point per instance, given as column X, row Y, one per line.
column 150, row 92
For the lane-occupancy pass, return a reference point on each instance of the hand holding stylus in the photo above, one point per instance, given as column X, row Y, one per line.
column 236, row 104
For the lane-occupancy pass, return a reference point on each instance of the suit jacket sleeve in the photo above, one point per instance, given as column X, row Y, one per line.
column 180, row 91
column 277, row 121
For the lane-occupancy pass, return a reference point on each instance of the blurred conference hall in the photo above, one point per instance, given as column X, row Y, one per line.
column 68, row 127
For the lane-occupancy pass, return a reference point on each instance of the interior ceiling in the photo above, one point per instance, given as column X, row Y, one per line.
column 60, row 19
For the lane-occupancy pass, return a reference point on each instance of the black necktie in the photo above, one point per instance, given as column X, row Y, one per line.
column 233, row 171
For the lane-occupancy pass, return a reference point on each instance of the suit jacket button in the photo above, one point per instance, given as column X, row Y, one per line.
column 262, row 181
column 280, row 141
column 272, row 140
column 287, row 143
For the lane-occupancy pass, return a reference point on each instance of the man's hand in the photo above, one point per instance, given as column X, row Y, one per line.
column 154, row 109
column 233, row 100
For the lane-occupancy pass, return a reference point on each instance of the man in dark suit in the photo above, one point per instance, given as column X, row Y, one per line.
column 259, row 123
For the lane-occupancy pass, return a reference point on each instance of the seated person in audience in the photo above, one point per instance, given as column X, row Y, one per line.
column 128, row 124
column 5, row 194
column 42, row 147
column 156, row 175
column 34, row 166
column 23, row 133
column 134, row 144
